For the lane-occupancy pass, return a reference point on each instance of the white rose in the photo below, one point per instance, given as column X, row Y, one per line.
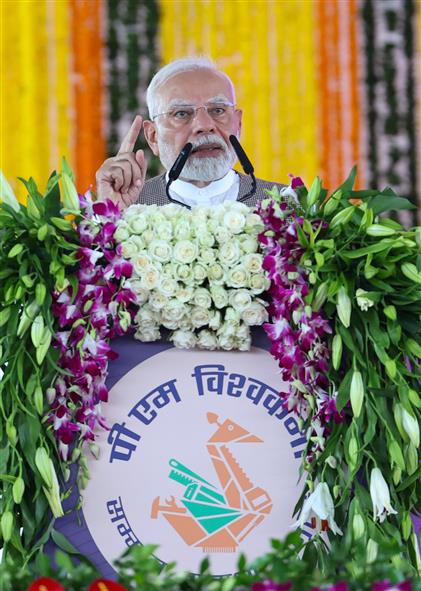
column 173, row 311
column 160, row 250
column 202, row 298
column 216, row 273
column 226, row 342
column 167, row 286
column 157, row 218
column 184, row 293
column 164, row 230
column 222, row 235
column 206, row 239
column 185, row 323
column 254, row 224
column 148, row 334
column 255, row 314
column 183, row 339
column 142, row 295
column 252, row 262
column 207, row 256
column 229, row 253
column 128, row 248
column 172, row 210
column 219, row 296
column 157, row 301
column 138, row 241
column 244, row 344
column 146, row 317
column 248, row 244
column 134, row 211
column 242, row 332
column 122, row 232
column 141, row 262
column 234, row 221
column 182, row 230
column 215, row 320
column 199, row 317
column 207, row 340
column 239, row 299
column 237, row 277
column 183, row 273
column 148, row 235
column 150, row 278
column 232, row 318
column 199, row 273
column 185, row 251
column 258, row 283
column 138, row 225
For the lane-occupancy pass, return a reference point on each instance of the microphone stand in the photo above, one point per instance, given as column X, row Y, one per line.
column 175, row 172
column 246, row 164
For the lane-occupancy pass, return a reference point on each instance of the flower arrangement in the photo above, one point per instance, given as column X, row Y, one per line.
column 345, row 328
column 197, row 273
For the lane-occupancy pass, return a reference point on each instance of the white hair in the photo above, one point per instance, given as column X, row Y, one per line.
column 185, row 64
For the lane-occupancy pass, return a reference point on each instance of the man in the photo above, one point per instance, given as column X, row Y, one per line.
column 189, row 100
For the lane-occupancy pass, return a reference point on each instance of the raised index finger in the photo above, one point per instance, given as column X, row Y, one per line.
column 130, row 138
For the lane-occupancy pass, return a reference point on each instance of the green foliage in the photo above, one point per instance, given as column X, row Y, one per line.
column 368, row 270
column 37, row 253
column 288, row 561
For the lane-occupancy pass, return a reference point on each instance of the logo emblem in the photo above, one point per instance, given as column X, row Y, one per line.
column 216, row 517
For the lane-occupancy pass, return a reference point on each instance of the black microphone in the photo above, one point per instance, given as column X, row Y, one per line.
column 175, row 171
column 245, row 163
column 179, row 163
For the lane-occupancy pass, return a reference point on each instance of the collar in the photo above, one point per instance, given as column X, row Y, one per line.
column 190, row 191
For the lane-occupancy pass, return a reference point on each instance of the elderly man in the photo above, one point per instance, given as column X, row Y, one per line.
column 189, row 100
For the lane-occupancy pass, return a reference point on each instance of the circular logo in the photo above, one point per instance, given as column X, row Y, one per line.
column 201, row 459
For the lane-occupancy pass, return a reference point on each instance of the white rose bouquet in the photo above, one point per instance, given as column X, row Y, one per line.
column 197, row 273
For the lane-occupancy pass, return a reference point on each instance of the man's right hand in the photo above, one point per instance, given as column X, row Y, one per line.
column 122, row 177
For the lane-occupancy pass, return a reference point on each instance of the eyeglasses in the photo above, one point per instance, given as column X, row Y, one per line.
column 183, row 115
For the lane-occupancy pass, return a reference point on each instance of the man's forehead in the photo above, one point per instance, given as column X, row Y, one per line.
column 196, row 85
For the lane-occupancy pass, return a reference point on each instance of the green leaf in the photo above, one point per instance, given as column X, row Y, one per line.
column 386, row 202
column 343, row 391
column 63, row 543
column 359, row 252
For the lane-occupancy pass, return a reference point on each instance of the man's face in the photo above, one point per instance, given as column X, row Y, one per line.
column 212, row 155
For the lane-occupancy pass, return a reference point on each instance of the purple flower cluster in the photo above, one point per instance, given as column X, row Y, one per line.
column 298, row 332
column 99, row 310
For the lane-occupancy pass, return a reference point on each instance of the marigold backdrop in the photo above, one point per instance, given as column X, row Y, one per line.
column 323, row 84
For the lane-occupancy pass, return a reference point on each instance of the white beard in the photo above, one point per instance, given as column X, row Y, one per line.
column 200, row 169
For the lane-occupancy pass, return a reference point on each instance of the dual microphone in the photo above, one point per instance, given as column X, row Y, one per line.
column 181, row 160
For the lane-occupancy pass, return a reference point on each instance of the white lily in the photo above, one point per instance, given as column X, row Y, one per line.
column 380, row 496
column 318, row 508
column 6, row 193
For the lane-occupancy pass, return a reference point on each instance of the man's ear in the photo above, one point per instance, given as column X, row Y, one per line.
column 150, row 131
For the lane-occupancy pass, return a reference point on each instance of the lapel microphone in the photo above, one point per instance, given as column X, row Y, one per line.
column 246, row 164
column 176, row 169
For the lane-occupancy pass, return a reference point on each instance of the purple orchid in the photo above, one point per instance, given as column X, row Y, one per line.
column 269, row 585
column 388, row 586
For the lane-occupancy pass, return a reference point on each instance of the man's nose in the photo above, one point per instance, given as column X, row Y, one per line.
column 203, row 122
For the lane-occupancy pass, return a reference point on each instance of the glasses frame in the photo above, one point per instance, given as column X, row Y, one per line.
column 196, row 109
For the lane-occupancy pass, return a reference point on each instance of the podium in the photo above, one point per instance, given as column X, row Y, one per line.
column 200, row 458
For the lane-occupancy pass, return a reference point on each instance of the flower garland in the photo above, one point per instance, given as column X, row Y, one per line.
column 93, row 309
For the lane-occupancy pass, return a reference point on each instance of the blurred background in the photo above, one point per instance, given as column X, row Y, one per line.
column 323, row 84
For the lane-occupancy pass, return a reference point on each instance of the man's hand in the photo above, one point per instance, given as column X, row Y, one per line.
column 122, row 177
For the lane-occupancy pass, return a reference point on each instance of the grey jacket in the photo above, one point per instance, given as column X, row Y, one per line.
column 153, row 191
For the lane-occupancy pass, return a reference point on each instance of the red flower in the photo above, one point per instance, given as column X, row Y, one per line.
column 45, row 584
column 106, row 585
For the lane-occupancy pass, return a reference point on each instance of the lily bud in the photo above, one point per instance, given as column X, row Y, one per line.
column 342, row 217
column 314, row 192
column 414, row 398
column 397, row 413
column 27, row 317
column 396, row 475
column 42, row 232
column 37, row 330
column 378, row 230
column 372, row 550
column 5, row 315
column 11, row 432
column 390, row 312
column 39, row 400
column 352, row 452
column 18, row 489
column 411, row 457
column 343, row 307
column 42, row 462
column 40, row 293
column 356, row 393
column 6, row 524
column 411, row 427
column 70, row 196
column 358, row 526
column 320, row 297
column 395, row 454
column 336, row 350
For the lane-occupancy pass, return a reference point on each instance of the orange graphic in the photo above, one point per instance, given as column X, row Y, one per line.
column 213, row 518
